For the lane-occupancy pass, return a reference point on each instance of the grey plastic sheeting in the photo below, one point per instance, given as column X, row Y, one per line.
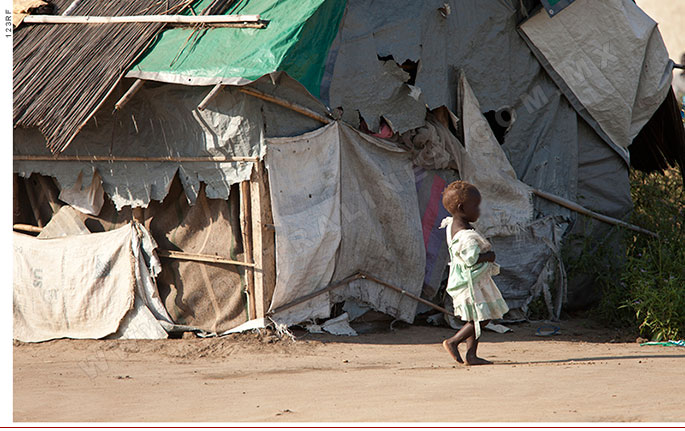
column 481, row 39
column 477, row 37
column 163, row 120
column 610, row 60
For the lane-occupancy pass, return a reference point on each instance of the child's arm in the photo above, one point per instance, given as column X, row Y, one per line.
column 486, row 257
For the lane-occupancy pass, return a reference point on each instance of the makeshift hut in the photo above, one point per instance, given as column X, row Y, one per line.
column 278, row 157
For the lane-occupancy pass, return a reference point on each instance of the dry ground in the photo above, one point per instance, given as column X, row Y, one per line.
column 584, row 374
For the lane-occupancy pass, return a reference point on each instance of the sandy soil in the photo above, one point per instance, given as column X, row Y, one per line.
column 584, row 374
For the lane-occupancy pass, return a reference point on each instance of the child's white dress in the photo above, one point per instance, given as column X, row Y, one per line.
column 474, row 294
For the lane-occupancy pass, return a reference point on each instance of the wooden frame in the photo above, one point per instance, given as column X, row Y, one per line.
column 263, row 242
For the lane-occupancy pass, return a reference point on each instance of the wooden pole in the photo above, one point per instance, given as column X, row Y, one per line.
column 27, row 228
column 207, row 258
column 133, row 89
column 358, row 275
column 364, row 275
column 582, row 210
column 166, row 19
column 263, row 240
column 138, row 215
column 312, row 295
column 284, row 103
column 208, row 159
column 48, row 192
column 33, row 202
column 245, row 218
column 211, row 95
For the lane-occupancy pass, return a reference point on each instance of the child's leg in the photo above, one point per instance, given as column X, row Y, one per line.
column 451, row 344
column 472, row 346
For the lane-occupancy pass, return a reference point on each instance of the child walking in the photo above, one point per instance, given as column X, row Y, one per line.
column 476, row 297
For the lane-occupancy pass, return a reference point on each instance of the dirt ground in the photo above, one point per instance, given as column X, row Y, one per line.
column 584, row 374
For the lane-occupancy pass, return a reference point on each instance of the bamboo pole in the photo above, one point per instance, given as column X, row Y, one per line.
column 207, row 258
column 210, row 159
column 27, row 228
column 284, row 103
column 364, row 275
column 582, row 210
column 49, row 193
column 246, row 215
column 165, row 19
column 169, row 254
column 133, row 89
column 33, row 202
column 263, row 241
column 211, row 95
column 306, row 298
column 356, row 276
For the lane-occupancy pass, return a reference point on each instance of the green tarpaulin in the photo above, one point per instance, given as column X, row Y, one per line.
column 296, row 40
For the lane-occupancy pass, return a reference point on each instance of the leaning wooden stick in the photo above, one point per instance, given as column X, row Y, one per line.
column 307, row 297
column 284, row 103
column 209, row 159
column 358, row 275
column 405, row 293
column 582, row 210
column 211, row 95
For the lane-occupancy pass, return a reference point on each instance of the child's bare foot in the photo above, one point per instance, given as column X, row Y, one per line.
column 475, row 360
column 453, row 351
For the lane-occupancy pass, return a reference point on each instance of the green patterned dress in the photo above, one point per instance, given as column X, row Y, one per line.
column 474, row 294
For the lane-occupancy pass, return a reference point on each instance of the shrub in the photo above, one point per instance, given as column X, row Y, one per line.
column 655, row 268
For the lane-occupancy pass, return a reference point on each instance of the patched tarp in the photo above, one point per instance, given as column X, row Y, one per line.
column 163, row 121
column 87, row 286
column 296, row 40
column 343, row 202
column 610, row 61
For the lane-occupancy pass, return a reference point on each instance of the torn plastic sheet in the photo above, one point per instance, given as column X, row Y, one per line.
column 162, row 121
column 88, row 200
column 374, row 88
column 507, row 202
column 259, row 323
column 337, row 326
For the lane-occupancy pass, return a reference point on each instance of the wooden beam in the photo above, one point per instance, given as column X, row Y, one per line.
column 33, row 202
column 132, row 90
column 48, row 192
column 165, row 19
column 207, row 258
column 208, row 159
column 263, row 240
column 284, row 103
column 582, row 210
column 27, row 228
column 246, row 231
column 211, row 95
column 316, row 293
column 138, row 215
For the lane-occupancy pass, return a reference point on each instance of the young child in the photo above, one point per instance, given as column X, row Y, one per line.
column 476, row 298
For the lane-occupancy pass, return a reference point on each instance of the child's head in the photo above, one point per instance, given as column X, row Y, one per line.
column 462, row 199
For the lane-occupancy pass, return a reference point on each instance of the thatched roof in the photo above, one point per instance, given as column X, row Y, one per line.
column 62, row 72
